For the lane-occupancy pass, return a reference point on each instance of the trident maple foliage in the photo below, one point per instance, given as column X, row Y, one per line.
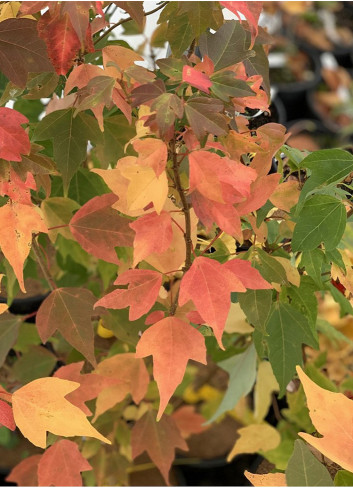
column 141, row 203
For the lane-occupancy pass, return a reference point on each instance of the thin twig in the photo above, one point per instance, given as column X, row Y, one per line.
column 218, row 235
column 46, row 273
column 123, row 21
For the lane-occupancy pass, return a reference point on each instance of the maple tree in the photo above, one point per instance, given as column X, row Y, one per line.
column 141, row 202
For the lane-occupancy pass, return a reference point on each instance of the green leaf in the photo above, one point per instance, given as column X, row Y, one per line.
column 109, row 145
column 225, row 85
column 202, row 15
column 287, row 330
column 312, row 262
column 69, row 137
column 321, row 220
column 258, row 65
column 303, row 298
column 227, row 46
column 345, row 305
column 331, row 332
column 179, row 34
column 168, row 107
column 344, row 478
column 172, row 68
column 27, row 337
column 9, row 327
column 321, row 380
column 205, row 116
column 83, row 187
column 35, row 363
column 242, row 374
column 98, row 90
column 256, row 304
column 125, row 330
column 328, row 167
column 270, row 269
column 304, row 469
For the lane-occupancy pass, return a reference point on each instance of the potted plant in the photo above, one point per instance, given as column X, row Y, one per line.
column 181, row 268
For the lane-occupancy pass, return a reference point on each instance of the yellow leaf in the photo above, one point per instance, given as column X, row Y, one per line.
column 40, row 406
column 291, row 272
column 253, row 438
column 266, row 480
column 266, row 383
column 332, row 416
column 145, row 187
column 3, row 308
column 236, row 321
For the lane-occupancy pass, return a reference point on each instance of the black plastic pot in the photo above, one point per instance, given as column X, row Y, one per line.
column 293, row 95
column 277, row 114
column 25, row 306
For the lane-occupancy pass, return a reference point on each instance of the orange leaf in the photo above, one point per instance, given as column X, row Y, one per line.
column 61, row 465
column 40, row 406
column 196, row 78
column 158, row 439
column 172, row 342
column 154, row 234
column 80, row 77
column 25, row 473
column 152, row 152
column 189, row 421
column 332, row 416
column 90, row 385
column 208, row 284
column 16, row 234
column 266, row 480
column 117, row 59
column 69, row 310
column 130, row 375
column 261, row 190
column 141, row 295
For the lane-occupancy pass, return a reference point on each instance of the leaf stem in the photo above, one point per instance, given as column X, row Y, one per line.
column 43, row 266
column 123, row 21
column 218, row 235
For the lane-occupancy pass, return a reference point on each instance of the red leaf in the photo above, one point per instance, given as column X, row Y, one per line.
column 189, row 421
column 14, row 141
column 79, row 16
column 32, row 7
column 61, row 40
column 131, row 377
column 61, row 465
column 154, row 234
column 209, row 284
column 25, row 473
column 69, row 310
column 6, row 416
column 90, row 385
column 159, row 440
column 172, row 342
column 98, row 228
column 152, row 152
column 196, row 79
column 141, row 294
column 250, row 10
column 249, row 276
column 154, row 317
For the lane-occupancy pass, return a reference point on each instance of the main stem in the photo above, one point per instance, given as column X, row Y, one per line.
column 186, row 211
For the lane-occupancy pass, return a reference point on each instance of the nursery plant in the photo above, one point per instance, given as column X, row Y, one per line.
column 167, row 227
